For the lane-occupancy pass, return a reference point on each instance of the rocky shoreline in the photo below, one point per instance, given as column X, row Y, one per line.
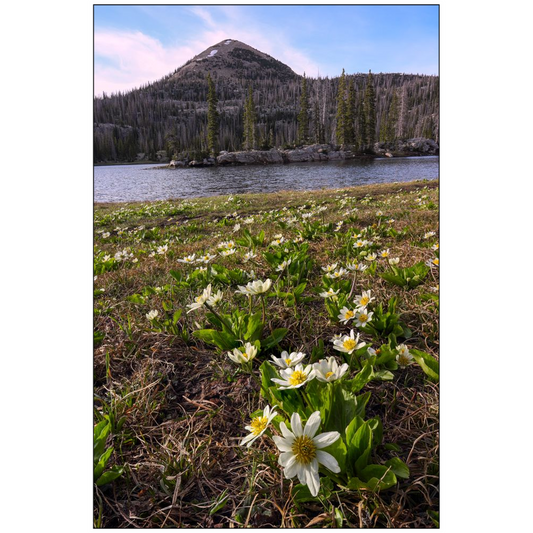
column 313, row 153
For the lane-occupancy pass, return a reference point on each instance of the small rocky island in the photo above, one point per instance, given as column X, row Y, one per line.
column 312, row 153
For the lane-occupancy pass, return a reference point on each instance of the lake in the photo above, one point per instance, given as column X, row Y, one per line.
column 131, row 183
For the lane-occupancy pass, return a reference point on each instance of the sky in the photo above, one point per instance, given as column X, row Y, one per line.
column 136, row 44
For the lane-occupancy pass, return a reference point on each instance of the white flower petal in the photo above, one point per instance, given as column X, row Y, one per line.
column 282, row 444
column 246, row 439
column 325, row 439
column 296, row 425
column 313, row 481
column 286, row 432
column 326, row 459
column 301, row 472
column 312, row 424
column 286, row 459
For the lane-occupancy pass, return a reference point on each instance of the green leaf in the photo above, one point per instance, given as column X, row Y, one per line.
column 110, row 475
column 391, row 278
column 100, row 466
column 352, row 428
column 339, row 451
column 343, row 409
column 220, row 503
column 361, row 379
column 428, row 363
column 254, row 328
column 274, row 338
column 320, row 397
column 136, row 299
column 360, row 447
column 176, row 316
column 339, row 518
column 377, row 430
column 399, row 468
column 391, row 446
column 434, row 515
column 98, row 336
column 360, row 402
column 378, row 477
column 101, row 431
column 384, row 375
column 301, row 493
column 222, row 340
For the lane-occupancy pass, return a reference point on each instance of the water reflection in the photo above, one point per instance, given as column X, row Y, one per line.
column 128, row 183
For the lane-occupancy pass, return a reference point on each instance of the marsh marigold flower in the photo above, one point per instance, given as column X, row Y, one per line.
column 199, row 301
column 327, row 370
column 255, row 287
column 244, row 354
column 404, row 358
column 301, row 451
column 348, row 343
column 293, row 378
column 258, row 426
column 363, row 300
column 346, row 315
column 286, row 360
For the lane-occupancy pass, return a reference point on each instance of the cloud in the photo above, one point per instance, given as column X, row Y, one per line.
column 127, row 59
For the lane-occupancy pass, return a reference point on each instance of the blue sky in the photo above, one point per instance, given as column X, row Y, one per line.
column 138, row 44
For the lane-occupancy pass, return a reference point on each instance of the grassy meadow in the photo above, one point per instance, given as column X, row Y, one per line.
column 199, row 304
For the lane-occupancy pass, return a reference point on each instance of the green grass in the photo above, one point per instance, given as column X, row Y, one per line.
column 178, row 407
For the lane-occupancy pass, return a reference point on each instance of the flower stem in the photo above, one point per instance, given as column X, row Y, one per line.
column 353, row 285
column 223, row 320
column 264, row 309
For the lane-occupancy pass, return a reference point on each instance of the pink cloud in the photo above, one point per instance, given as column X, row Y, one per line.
column 132, row 59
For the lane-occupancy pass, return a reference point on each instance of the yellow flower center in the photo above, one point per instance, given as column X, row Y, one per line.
column 403, row 360
column 349, row 344
column 199, row 298
column 297, row 377
column 363, row 318
column 348, row 314
column 329, row 374
column 259, row 424
column 435, row 261
column 288, row 362
column 304, row 449
column 364, row 300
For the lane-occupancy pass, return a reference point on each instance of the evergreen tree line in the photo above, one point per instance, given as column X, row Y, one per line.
column 198, row 117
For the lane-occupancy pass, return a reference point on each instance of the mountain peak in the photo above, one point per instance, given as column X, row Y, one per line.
column 231, row 58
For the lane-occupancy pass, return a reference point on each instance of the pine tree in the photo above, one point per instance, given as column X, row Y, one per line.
column 249, row 121
column 392, row 118
column 303, row 115
column 361, row 125
column 271, row 138
column 370, row 111
column 341, row 111
column 349, row 126
column 319, row 128
column 212, row 117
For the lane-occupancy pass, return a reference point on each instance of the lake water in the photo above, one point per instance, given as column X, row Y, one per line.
column 131, row 183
